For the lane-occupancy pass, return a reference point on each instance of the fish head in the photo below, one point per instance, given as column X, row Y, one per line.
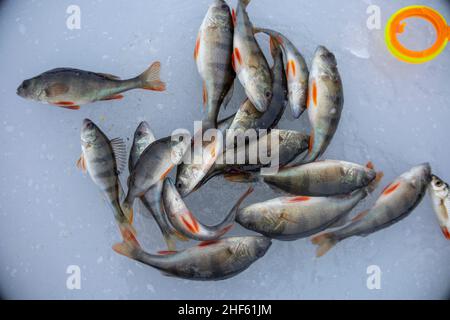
column 172, row 199
column 438, row 187
column 179, row 143
column 31, row 89
column 187, row 178
column 218, row 14
column 418, row 175
column 249, row 246
column 143, row 136
column 324, row 62
column 260, row 91
column 366, row 176
column 258, row 245
column 89, row 132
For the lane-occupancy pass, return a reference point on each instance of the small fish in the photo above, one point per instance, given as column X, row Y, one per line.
column 69, row 88
column 248, row 60
column 213, row 50
column 209, row 260
column 291, row 218
column 396, row 202
column 325, row 102
column 154, row 164
column 296, row 70
column 152, row 200
column 187, row 224
column 316, row 179
column 440, row 198
column 248, row 117
column 104, row 159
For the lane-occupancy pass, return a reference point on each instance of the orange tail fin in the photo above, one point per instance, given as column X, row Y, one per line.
column 325, row 241
column 150, row 78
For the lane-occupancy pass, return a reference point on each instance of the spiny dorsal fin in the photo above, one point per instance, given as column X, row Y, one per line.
column 120, row 153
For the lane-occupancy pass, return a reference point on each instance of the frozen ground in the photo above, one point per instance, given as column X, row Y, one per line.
column 395, row 115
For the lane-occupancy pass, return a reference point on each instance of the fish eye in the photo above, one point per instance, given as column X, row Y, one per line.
column 179, row 185
column 268, row 94
column 439, row 184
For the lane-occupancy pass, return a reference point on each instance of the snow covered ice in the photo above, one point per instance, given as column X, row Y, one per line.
column 395, row 115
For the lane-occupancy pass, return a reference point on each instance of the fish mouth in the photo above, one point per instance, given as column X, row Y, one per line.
column 143, row 126
column 297, row 111
column 20, row 91
column 264, row 244
column 260, row 106
column 87, row 124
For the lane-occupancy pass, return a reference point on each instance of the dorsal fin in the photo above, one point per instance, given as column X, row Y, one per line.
column 109, row 76
column 120, row 153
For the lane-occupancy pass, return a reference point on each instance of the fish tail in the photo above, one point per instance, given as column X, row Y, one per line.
column 325, row 241
column 127, row 210
column 375, row 182
column 242, row 177
column 171, row 237
column 150, row 78
column 170, row 242
column 244, row 2
column 228, row 222
column 130, row 247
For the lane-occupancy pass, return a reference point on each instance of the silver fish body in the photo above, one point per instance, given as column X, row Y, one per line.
column 213, row 51
column 103, row 159
column 249, row 62
column 291, row 218
column 322, row 178
column 296, row 71
column 211, row 260
column 440, row 199
column 154, row 164
column 395, row 203
column 325, row 102
column 70, row 88
column 248, row 117
column 152, row 199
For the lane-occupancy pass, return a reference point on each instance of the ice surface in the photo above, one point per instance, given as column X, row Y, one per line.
column 395, row 115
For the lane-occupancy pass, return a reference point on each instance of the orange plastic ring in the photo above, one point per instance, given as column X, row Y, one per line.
column 396, row 25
